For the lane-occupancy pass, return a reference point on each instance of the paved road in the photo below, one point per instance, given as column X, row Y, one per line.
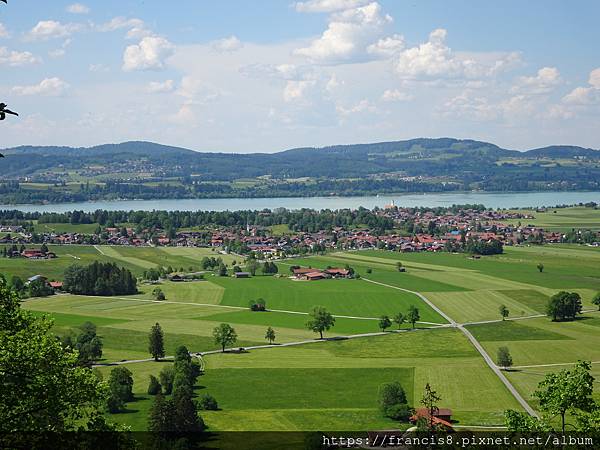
column 260, row 347
column 475, row 343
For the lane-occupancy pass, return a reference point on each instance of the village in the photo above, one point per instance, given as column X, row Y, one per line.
column 415, row 231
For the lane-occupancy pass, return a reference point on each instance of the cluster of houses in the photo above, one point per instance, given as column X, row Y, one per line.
column 430, row 232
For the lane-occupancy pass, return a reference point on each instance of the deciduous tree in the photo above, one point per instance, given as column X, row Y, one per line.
column 320, row 320
column 224, row 335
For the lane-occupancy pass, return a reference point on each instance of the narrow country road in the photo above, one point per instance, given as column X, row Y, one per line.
column 260, row 347
column 475, row 343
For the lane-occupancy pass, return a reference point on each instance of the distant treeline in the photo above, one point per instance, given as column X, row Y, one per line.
column 307, row 220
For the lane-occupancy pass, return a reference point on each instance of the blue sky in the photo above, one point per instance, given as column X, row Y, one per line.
column 264, row 76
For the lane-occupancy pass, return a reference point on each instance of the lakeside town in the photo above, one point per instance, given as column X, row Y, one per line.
column 414, row 230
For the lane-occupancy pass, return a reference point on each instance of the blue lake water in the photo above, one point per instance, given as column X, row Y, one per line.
column 489, row 199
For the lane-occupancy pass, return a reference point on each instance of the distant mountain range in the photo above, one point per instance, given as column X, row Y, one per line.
column 136, row 169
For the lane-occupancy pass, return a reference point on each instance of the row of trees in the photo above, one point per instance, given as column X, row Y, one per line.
column 412, row 316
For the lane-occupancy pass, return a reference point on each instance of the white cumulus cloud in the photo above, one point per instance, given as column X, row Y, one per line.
column 434, row 59
column 51, row 29
column 321, row 6
column 15, row 59
column 149, row 54
column 543, row 82
column 349, row 36
column 53, row 87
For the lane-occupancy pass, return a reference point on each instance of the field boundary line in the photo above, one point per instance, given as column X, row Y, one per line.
column 241, row 308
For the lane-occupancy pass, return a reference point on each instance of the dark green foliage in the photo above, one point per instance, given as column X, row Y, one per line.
column 384, row 323
column 154, row 387
column 162, row 417
column 492, row 247
column 258, row 305
column 596, row 300
column 41, row 387
column 504, row 359
column 89, row 344
column 564, row 306
column 413, row 315
column 120, row 384
column 320, row 320
column 208, row 403
column 166, row 377
column 393, row 401
column 40, row 288
column 269, row 268
column 99, row 279
column 224, row 335
column 156, row 344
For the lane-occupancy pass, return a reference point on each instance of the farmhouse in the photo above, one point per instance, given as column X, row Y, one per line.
column 443, row 416
column 37, row 254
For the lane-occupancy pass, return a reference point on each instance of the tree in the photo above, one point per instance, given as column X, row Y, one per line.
column 567, row 391
column 162, row 415
column 208, row 403
column 252, row 266
column 88, row 344
column 564, row 306
column 270, row 336
column 154, row 387
column 540, row 267
column 224, row 335
column 258, row 305
column 400, row 267
column 222, row 270
column 40, row 288
column 596, row 300
column 41, row 387
column 156, row 345
column 17, row 283
column 504, row 312
column 166, row 377
column 413, row 315
column 399, row 319
column 120, row 384
column 384, row 323
column 391, row 395
column 504, row 359
column 429, row 401
column 320, row 320
column 158, row 294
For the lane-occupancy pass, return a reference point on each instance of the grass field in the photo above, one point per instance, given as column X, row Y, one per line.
column 335, row 384
column 563, row 219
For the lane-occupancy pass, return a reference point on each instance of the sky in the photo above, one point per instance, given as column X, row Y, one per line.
column 242, row 76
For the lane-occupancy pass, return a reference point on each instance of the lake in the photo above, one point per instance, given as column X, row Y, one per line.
column 489, row 199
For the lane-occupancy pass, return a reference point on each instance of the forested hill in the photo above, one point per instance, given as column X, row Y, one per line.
column 149, row 170
column 417, row 157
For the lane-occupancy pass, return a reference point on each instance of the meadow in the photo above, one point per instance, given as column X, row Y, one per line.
column 333, row 384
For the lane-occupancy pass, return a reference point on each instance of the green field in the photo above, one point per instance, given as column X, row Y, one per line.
column 333, row 386
column 279, row 388
column 563, row 219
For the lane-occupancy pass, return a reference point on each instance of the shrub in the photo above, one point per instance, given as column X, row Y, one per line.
column 208, row 403
column 401, row 412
